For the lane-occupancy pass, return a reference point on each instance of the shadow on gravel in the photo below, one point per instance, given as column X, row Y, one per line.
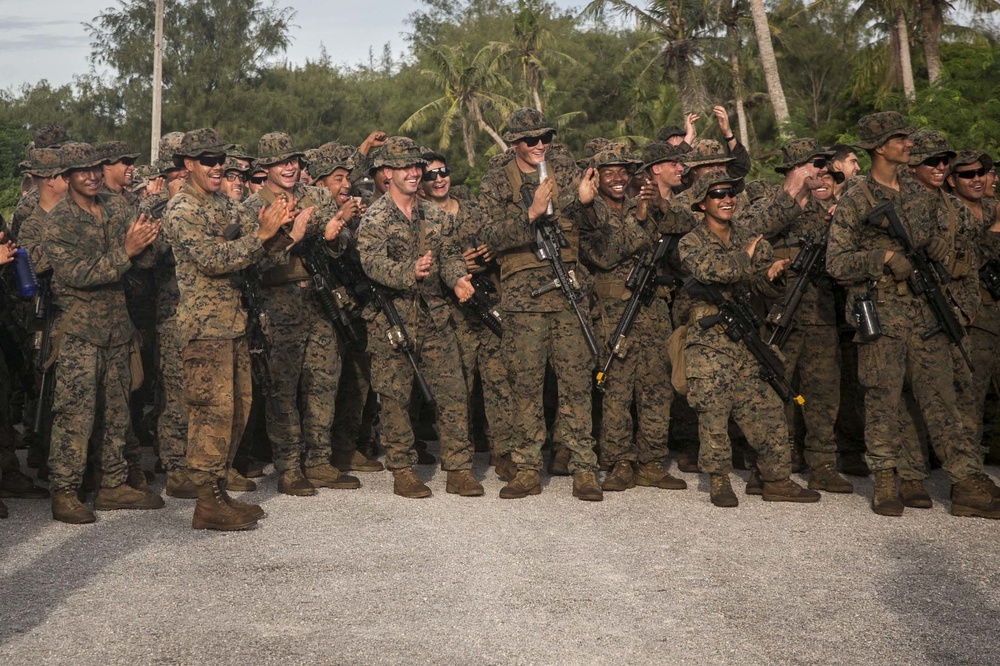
column 941, row 604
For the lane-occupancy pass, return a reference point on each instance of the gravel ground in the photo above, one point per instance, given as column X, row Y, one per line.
column 364, row 577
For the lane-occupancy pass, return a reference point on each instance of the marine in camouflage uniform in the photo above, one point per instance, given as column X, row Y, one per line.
column 47, row 136
column 92, row 240
column 864, row 255
column 811, row 353
column 723, row 376
column 305, row 361
column 407, row 246
column 543, row 329
column 640, row 373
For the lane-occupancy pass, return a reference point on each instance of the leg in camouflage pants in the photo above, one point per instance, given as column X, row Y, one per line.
column 171, row 426
column 480, row 350
column 813, row 353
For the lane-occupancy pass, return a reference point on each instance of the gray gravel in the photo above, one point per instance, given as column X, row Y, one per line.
column 364, row 577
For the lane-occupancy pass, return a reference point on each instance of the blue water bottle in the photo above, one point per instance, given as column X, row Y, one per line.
column 24, row 274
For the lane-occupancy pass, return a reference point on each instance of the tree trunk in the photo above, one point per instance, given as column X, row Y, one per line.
column 931, row 21
column 770, row 66
column 739, row 93
column 484, row 126
column 905, row 65
column 534, row 83
column 470, row 142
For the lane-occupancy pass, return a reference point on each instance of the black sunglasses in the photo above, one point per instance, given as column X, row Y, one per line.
column 820, row 162
column 969, row 175
column 935, row 161
column 723, row 193
column 127, row 161
column 432, row 174
column 258, row 180
column 211, row 160
column 533, row 141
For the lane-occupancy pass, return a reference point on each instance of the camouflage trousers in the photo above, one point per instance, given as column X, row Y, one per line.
column 642, row 377
column 305, row 366
column 356, row 406
column 171, row 425
column 392, row 377
column 984, row 348
column 530, row 340
column 90, row 402
column 217, row 396
column 812, row 353
column 8, row 456
column 723, row 385
column 882, row 367
column 480, row 351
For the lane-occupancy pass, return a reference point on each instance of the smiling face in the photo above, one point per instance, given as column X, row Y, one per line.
column 283, row 176
column 338, row 182
column 931, row 172
column 205, row 172
column 824, row 188
column 968, row 189
column 530, row 156
column 720, row 210
column 849, row 166
column 438, row 187
column 233, row 185
column 85, row 183
column 118, row 176
column 405, row 181
column 667, row 173
column 612, row 181
column 896, row 150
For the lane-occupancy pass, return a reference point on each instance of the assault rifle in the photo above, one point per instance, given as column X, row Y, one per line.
column 45, row 314
column 808, row 267
column 482, row 308
column 741, row 323
column 989, row 275
column 316, row 264
column 922, row 279
column 642, row 282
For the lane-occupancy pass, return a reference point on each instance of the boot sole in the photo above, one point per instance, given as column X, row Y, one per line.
column 242, row 489
column 828, row 489
column 359, row 468
column 672, row 486
column 754, row 492
column 466, row 493
column 794, row 499
column 726, row 504
column 222, row 527
column 419, row 495
column 588, row 498
column 537, row 490
column 890, row 512
column 75, row 521
column 972, row 512
column 297, row 493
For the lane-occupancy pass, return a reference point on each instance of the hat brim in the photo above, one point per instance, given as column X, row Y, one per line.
column 738, row 183
column 511, row 137
column 271, row 160
column 89, row 164
column 119, row 158
column 785, row 168
column 983, row 158
column 875, row 142
column 917, row 158
column 217, row 149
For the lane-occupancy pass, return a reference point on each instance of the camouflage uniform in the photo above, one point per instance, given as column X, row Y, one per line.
column 389, row 244
column 539, row 330
column 46, row 136
column 210, row 316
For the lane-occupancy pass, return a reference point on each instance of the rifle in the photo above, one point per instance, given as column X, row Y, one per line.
column 480, row 305
column 922, row 279
column 549, row 240
column 740, row 322
column 44, row 313
column 989, row 275
column 808, row 266
column 315, row 262
column 642, row 283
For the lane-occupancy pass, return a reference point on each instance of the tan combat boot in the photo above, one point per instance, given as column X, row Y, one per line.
column 239, row 483
column 126, row 497
column 67, row 508
column 136, row 478
column 621, row 477
column 505, row 468
column 655, row 475
column 885, row 499
column 212, row 512
column 972, row 497
column 721, row 491
column 328, row 476
column 755, row 484
column 16, row 484
column 525, row 482
column 913, row 494
column 787, row 490
column 462, row 483
column 825, row 477
column 293, row 482
column 179, row 485
column 585, row 487
column 406, row 484
column 355, row 461
column 559, row 465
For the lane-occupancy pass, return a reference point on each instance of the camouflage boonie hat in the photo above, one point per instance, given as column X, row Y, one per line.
column 233, row 164
column 758, row 189
column 877, row 128
column 969, row 157
column 79, row 156
column 710, row 179
column 706, row 151
column 49, row 136
column 800, row 151
column 665, row 133
column 661, row 151
column 43, row 162
column 615, row 154
column 525, row 123
column 170, row 143
column 141, row 175
column 590, row 149
column 276, row 147
column 114, row 151
column 204, row 141
column 928, row 143
column 399, row 152
column 329, row 157
column 239, row 152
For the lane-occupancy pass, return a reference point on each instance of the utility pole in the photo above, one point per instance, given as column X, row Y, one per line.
column 154, row 141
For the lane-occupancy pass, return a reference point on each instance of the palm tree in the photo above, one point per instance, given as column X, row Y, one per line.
column 888, row 17
column 769, row 64
column 932, row 25
column 528, row 46
column 470, row 90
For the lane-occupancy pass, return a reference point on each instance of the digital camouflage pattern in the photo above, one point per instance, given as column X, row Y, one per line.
column 928, row 143
column 44, row 162
column 877, row 128
column 525, row 123
column 274, row 148
column 198, row 142
column 399, row 152
column 969, row 157
column 49, row 136
column 657, row 152
column 665, row 133
column 800, row 151
column 114, row 151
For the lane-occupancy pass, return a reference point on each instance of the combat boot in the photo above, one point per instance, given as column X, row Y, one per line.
column 16, row 484
column 913, row 495
column 853, row 464
column 67, row 508
column 787, row 490
column 355, row 461
column 989, row 484
column 238, row 483
column 525, row 482
column 755, row 484
column 244, row 508
column 655, row 475
column 136, row 478
column 687, row 462
column 825, row 477
column 328, row 476
column 721, row 491
column 559, row 464
column 585, row 487
column 505, row 468
column 293, row 482
column 406, row 484
column 3, row 510
column 972, row 498
column 126, row 497
column 462, row 483
column 621, row 478
column 179, row 485
column 212, row 512
column 885, row 499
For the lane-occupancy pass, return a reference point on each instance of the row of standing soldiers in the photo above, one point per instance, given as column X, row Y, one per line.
column 655, row 271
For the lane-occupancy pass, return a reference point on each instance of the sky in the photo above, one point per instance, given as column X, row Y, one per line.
column 46, row 39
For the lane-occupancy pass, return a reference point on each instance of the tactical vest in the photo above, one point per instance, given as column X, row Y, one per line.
column 292, row 270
